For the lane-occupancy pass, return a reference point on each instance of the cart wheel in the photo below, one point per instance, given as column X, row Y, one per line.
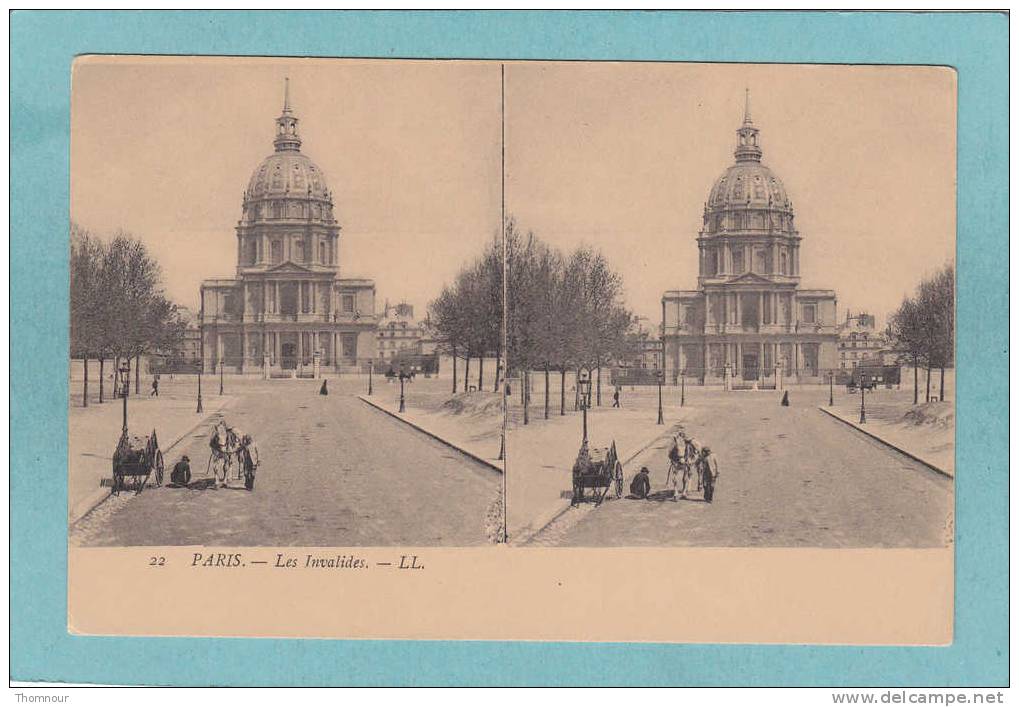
column 619, row 480
column 159, row 468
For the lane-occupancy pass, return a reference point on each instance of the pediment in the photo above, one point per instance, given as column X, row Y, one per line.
column 750, row 278
column 289, row 267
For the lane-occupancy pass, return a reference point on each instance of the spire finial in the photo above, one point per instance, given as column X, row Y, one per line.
column 746, row 108
column 287, row 138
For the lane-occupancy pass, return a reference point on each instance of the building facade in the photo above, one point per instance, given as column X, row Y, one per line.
column 288, row 311
column 749, row 323
column 399, row 333
column 859, row 341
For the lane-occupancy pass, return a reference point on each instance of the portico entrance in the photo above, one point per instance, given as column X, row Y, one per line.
column 288, row 351
column 751, row 366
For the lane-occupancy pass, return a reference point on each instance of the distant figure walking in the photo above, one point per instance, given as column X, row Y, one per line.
column 155, row 386
column 785, row 399
column 324, row 390
column 615, row 398
column 640, row 487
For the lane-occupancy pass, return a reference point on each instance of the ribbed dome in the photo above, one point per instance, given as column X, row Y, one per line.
column 287, row 174
column 748, row 185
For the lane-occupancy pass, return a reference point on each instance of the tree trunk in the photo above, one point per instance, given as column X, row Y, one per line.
column 523, row 385
column 942, row 398
column 546, row 391
column 454, row 370
column 84, row 390
column 481, row 372
column 928, row 383
column 137, row 372
column 467, row 371
column 102, row 364
column 916, row 380
column 523, row 400
column 599, row 386
column 498, row 371
column 562, row 391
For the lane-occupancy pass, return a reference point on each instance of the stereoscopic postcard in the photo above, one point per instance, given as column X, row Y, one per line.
column 526, row 350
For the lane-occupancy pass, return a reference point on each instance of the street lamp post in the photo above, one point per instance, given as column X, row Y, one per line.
column 371, row 367
column 403, row 377
column 660, row 375
column 863, row 405
column 201, row 365
column 682, row 388
column 584, row 383
column 125, row 389
column 220, row 376
column 831, row 388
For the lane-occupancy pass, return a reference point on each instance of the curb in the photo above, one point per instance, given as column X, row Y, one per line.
column 885, row 442
column 419, row 428
column 90, row 503
column 555, row 516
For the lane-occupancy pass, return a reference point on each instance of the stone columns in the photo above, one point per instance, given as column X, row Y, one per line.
column 760, row 310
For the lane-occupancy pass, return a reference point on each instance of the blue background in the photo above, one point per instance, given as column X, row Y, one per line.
column 43, row 45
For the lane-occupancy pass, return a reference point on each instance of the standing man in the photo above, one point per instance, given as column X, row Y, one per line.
column 155, row 386
column 615, row 397
column 709, row 473
column 249, row 461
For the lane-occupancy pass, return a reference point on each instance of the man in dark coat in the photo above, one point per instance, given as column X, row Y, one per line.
column 324, row 390
column 640, row 487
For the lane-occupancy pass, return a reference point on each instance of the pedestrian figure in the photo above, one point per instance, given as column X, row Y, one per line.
column 155, row 386
column 640, row 487
column 785, row 399
column 615, row 397
column 249, row 461
column 709, row 473
column 180, row 477
column 324, row 390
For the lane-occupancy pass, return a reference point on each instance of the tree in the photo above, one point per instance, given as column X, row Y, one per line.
column 117, row 304
column 924, row 327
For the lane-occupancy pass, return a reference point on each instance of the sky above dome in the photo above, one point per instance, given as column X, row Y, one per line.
column 618, row 156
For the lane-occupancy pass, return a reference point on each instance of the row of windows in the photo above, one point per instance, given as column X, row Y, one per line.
column 761, row 261
column 300, row 252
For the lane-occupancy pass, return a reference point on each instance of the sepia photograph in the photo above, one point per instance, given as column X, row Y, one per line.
column 731, row 307
column 257, row 247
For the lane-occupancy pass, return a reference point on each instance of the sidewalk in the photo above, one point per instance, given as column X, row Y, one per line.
column 93, row 433
column 925, row 432
column 470, row 422
column 541, row 455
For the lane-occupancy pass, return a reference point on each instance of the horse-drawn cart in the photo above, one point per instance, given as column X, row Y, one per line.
column 597, row 468
column 137, row 457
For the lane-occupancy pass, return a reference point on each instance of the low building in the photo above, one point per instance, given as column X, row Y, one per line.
column 399, row 333
column 859, row 340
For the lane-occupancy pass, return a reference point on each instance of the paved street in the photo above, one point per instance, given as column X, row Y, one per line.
column 790, row 477
column 334, row 472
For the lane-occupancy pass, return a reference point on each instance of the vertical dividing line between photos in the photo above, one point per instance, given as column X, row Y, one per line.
column 505, row 308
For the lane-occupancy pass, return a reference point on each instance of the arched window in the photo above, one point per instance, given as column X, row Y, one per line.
column 277, row 252
column 322, row 253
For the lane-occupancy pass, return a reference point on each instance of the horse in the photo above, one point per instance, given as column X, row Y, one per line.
column 225, row 446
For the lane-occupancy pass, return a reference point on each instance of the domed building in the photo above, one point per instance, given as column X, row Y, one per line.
column 288, row 312
column 749, row 324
